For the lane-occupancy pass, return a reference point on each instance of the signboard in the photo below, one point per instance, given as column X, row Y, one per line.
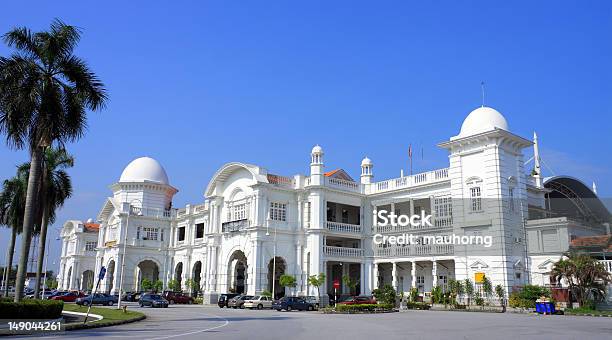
column 102, row 273
column 336, row 284
column 479, row 277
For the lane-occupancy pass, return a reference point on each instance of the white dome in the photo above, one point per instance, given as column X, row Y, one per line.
column 144, row 169
column 317, row 149
column 481, row 120
column 366, row 161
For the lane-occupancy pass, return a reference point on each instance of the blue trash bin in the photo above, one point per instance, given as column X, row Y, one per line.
column 539, row 307
column 550, row 307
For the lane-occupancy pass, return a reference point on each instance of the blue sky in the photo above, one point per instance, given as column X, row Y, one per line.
column 199, row 84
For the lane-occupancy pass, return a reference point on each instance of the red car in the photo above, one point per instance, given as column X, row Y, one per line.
column 174, row 297
column 69, row 296
column 358, row 300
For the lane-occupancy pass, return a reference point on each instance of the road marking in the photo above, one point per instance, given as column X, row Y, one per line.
column 199, row 331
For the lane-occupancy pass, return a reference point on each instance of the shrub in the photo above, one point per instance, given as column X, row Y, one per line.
column 370, row 307
column 199, row 301
column 385, row 295
column 418, row 305
column 31, row 309
column 437, row 296
column 526, row 297
column 414, row 294
column 479, row 301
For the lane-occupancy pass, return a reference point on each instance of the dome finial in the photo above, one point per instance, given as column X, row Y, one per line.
column 482, row 89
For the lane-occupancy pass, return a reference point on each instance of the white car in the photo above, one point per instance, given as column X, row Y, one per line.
column 259, row 302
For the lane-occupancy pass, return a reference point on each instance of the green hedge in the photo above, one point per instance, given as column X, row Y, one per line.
column 370, row 307
column 527, row 296
column 30, row 309
column 418, row 305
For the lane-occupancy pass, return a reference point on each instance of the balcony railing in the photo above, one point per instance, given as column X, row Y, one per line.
column 234, row 226
column 333, row 251
column 607, row 264
column 151, row 212
column 440, row 222
column 342, row 184
column 343, row 227
column 415, row 250
column 281, row 181
column 409, row 181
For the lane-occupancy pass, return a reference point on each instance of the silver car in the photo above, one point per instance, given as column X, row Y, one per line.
column 259, row 302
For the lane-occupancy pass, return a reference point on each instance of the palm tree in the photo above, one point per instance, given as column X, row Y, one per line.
column 12, row 201
column 586, row 277
column 56, row 188
column 45, row 91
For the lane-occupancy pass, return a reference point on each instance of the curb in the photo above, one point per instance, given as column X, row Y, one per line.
column 594, row 315
column 75, row 326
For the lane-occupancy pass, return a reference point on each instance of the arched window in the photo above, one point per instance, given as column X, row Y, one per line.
column 474, row 185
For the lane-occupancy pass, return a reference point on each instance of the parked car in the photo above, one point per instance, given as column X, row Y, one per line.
column 238, row 301
column 358, row 300
column 174, row 297
column 153, row 300
column 258, row 301
column 224, row 299
column 97, row 299
column 290, row 303
column 312, row 299
column 131, row 296
column 68, row 296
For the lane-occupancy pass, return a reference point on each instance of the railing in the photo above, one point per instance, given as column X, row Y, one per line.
column 234, row 226
column 415, row 250
column 409, row 181
column 342, row 251
column 200, row 208
column 343, row 227
column 342, row 184
column 150, row 212
column 440, row 222
column 281, row 181
column 607, row 264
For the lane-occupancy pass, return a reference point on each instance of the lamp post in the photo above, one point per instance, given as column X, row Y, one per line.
column 127, row 225
column 46, row 264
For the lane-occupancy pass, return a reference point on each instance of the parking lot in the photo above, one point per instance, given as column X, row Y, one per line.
column 211, row 322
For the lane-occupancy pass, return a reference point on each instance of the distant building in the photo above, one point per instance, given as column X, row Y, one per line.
column 253, row 225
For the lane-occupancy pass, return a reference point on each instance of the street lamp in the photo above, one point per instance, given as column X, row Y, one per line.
column 273, row 258
column 46, row 264
column 127, row 225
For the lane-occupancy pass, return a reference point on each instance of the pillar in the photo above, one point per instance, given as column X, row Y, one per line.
column 413, row 275
column 394, row 274
column 375, row 276
column 434, row 273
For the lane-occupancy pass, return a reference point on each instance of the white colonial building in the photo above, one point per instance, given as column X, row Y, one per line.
column 255, row 225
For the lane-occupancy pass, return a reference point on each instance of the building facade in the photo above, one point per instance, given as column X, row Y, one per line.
column 255, row 226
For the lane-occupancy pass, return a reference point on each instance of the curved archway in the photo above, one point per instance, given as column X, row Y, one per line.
column 87, row 280
column 110, row 276
column 196, row 274
column 69, row 278
column 276, row 267
column 237, row 272
column 146, row 269
column 178, row 274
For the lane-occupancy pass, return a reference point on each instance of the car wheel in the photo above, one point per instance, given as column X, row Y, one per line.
column 171, row 302
column 289, row 308
column 278, row 310
column 310, row 308
column 234, row 307
column 141, row 305
column 110, row 303
column 242, row 306
column 260, row 306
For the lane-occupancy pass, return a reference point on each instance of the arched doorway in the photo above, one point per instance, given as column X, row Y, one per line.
column 281, row 266
column 69, row 278
column 146, row 269
column 110, row 276
column 197, row 278
column 87, row 280
column 178, row 274
column 237, row 272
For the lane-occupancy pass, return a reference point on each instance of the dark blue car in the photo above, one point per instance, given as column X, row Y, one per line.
column 97, row 299
column 290, row 303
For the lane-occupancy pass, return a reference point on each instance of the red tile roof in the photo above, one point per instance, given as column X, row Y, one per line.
column 600, row 241
column 93, row 227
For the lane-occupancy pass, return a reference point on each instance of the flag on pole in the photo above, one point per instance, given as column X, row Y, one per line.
column 410, row 156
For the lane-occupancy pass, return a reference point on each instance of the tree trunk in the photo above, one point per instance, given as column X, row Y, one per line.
column 28, row 220
column 41, row 249
column 9, row 265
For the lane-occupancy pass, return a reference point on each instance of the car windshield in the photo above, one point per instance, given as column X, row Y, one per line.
column 256, row 297
column 155, row 297
column 246, row 297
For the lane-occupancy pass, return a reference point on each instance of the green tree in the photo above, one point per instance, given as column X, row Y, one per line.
column 414, row 294
column 386, row 294
column 501, row 295
column 194, row 286
column 51, row 283
column 469, row 290
column 45, row 91
column 317, row 281
column 56, row 188
column 456, row 289
column 174, row 285
column 146, row 285
column 487, row 287
column 12, row 205
column 266, row 293
column 287, row 281
column 350, row 283
column 157, row 286
column 587, row 278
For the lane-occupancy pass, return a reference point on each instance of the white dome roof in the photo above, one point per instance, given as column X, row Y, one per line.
column 481, row 120
column 144, row 169
column 366, row 161
column 317, row 149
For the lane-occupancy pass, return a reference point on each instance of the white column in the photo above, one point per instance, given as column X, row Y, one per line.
column 394, row 274
column 298, row 268
column 434, row 273
column 375, row 276
column 413, row 275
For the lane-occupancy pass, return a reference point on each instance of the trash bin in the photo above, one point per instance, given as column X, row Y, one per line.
column 549, row 307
